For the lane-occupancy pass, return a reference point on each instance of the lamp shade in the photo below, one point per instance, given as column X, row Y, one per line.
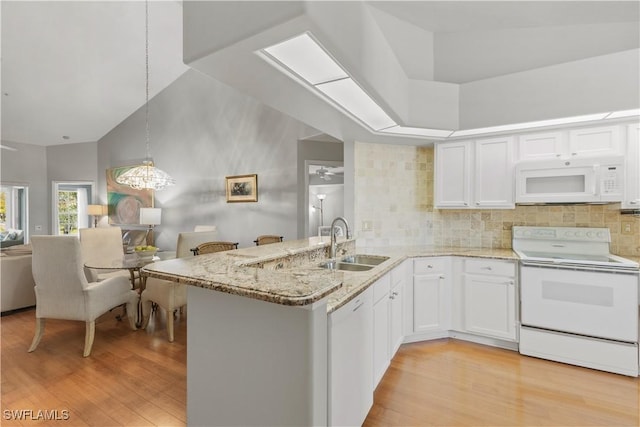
column 150, row 216
column 97, row 210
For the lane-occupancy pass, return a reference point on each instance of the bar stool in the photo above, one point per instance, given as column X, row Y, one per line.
column 266, row 239
column 211, row 247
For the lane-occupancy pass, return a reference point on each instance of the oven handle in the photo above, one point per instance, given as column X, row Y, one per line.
column 579, row 267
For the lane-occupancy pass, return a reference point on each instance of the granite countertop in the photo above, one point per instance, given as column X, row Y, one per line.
column 239, row 272
column 236, row 272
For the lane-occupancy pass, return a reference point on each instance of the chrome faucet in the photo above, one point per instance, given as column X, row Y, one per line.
column 333, row 234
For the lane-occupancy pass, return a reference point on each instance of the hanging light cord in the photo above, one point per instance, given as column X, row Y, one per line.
column 146, row 64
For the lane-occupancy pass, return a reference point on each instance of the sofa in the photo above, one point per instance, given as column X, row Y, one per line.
column 16, row 280
column 11, row 237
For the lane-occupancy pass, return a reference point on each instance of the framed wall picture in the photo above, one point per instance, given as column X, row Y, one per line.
column 242, row 188
column 125, row 202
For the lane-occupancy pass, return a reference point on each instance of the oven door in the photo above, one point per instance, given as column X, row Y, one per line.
column 591, row 303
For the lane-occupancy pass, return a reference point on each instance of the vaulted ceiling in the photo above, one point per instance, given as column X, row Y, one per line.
column 76, row 69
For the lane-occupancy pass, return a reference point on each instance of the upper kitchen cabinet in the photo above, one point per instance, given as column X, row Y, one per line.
column 632, row 187
column 475, row 174
column 452, row 180
column 536, row 146
column 583, row 142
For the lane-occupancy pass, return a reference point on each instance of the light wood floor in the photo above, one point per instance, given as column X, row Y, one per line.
column 139, row 379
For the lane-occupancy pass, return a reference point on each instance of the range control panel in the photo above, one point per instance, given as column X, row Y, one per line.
column 578, row 234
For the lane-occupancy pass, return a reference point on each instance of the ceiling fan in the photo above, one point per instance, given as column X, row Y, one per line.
column 324, row 174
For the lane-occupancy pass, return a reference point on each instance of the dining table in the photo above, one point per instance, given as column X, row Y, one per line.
column 134, row 264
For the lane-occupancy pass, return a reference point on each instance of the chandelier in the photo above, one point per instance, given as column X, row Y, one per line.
column 146, row 176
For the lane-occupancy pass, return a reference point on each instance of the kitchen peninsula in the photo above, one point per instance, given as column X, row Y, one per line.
column 258, row 338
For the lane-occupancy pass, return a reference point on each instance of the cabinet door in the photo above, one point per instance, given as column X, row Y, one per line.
column 452, row 175
column 395, row 318
column 350, row 361
column 594, row 141
column 429, row 303
column 536, row 146
column 632, row 186
column 380, row 339
column 489, row 306
column 494, row 173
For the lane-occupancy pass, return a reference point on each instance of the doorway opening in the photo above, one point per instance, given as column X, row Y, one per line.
column 325, row 194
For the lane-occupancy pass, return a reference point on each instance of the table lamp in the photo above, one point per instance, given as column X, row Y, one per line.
column 150, row 217
column 96, row 211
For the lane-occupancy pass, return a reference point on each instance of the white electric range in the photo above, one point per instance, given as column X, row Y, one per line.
column 579, row 302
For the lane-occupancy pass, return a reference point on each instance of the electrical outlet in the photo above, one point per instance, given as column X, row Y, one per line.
column 38, row 228
column 626, row 228
column 366, row 226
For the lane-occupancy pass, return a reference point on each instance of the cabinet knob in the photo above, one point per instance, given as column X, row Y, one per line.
column 392, row 297
column 394, row 293
column 487, row 268
column 557, row 155
column 574, row 154
column 633, row 202
column 510, row 282
column 466, row 204
column 429, row 266
column 442, row 276
column 477, row 203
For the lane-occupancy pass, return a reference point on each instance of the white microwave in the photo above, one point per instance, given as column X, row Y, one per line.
column 588, row 180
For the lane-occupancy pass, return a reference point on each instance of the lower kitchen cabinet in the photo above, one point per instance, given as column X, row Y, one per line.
column 431, row 294
column 381, row 329
column 489, row 298
column 396, row 303
column 350, row 336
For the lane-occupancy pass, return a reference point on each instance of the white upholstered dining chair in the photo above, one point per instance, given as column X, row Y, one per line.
column 100, row 246
column 63, row 292
column 171, row 296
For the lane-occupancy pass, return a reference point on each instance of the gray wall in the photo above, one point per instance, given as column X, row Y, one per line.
column 28, row 165
column 202, row 131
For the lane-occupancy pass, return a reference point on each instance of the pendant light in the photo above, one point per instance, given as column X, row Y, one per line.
column 146, row 176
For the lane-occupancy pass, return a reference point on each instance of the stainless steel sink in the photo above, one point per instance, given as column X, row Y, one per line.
column 355, row 262
column 364, row 259
column 345, row 266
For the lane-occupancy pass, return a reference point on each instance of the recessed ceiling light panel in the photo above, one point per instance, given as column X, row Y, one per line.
column 352, row 98
column 306, row 58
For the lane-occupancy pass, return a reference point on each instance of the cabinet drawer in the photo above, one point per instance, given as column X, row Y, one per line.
column 430, row 265
column 490, row 266
column 381, row 288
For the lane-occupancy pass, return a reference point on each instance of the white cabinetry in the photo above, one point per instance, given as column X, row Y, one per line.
column 598, row 141
column 431, row 295
column 474, row 174
column 396, row 309
column 489, row 298
column 583, row 142
column 537, row 146
column 453, row 175
column 493, row 173
column 632, row 186
column 381, row 316
column 350, row 385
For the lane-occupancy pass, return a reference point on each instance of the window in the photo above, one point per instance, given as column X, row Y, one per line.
column 70, row 202
column 14, row 208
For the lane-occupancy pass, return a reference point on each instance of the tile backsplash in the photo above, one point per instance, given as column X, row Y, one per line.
column 394, row 206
